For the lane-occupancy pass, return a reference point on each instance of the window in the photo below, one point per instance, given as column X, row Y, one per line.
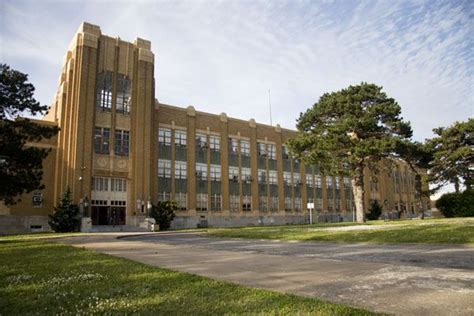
column 261, row 150
column 262, row 203
column 348, row 203
column 272, row 151
column 118, row 185
column 347, row 182
column 164, row 196
column 104, row 91
column 180, row 138
column 214, row 143
column 287, row 178
column 124, row 94
column 234, row 174
column 330, row 204
column 284, row 152
column 288, row 204
column 180, row 169
column 164, row 136
column 317, row 181
column 337, row 204
column 374, row 186
column 298, row 204
column 245, row 147
column 319, row 204
column 164, row 168
column 100, row 184
column 215, row 172
column 215, row 202
column 201, row 141
column 122, row 142
column 336, row 183
column 309, row 180
column 181, row 199
column 274, row 203
column 101, row 140
column 246, row 175
column 234, row 145
column 201, row 171
column 262, row 176
column 329, row 183
column 201, row 202
column 234, row 202
column 272, row 177
column 247, row 203
column 296, row 179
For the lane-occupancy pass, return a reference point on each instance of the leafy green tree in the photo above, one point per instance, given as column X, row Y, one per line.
column 453, row 155
column 66, row 217
column 20, row 165
column 350, row 130
column 457, row 204
column 164, row 213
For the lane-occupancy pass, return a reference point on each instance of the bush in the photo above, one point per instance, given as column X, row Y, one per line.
column 456, row 204
column 66, row 217
column 164, row 213
column 375, row 211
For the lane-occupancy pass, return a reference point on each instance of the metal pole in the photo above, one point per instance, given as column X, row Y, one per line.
column 311, row 216
column 270, row 107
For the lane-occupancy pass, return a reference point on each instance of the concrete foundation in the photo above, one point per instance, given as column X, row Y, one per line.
column 19, row 224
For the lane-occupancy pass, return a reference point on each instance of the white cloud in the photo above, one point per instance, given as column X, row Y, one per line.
column 223, row 56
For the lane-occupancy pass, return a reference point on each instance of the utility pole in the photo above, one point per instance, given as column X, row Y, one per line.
column 270, row 107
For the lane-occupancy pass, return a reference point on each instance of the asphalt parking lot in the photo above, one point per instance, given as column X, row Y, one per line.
column 403, row 279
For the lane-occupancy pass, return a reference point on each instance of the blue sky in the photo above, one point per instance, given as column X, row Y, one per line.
column 224, row 56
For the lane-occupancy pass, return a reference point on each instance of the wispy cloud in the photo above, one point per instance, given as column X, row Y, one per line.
column 223, row 56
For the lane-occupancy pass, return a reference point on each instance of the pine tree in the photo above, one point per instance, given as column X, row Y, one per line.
column 66, row 217
column 350, row 130
column 164, row 213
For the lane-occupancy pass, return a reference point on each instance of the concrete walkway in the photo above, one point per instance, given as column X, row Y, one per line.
column 399, row 279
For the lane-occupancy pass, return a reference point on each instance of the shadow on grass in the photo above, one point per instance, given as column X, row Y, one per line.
column 46, row 278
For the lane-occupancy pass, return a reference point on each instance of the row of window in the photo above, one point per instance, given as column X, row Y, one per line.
column 102, row 141
column 109, row 184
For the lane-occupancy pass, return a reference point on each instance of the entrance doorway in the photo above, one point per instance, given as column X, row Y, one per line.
column 108, row 215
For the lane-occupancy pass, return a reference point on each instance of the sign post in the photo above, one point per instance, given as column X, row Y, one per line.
column 310, row 207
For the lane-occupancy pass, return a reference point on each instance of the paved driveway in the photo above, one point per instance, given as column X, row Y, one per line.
column 401, row 279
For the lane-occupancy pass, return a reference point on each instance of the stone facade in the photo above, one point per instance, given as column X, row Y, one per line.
column 120, row 150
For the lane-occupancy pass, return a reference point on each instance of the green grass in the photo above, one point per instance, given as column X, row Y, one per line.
column 44, row 278
column 451, row 231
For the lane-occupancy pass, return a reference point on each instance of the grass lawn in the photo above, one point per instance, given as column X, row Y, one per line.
column 40, row 277
column 452, row 230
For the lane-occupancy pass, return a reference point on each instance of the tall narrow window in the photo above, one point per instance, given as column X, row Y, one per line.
column 104, row 91
column 101, row 140
column 201, row 202
column 245, row 147
column 215, row 172
column 246, row 203
column 164, row 168
column 122, row 142
column 214, row 142
column 164, row 136
column 180, row 169
column 124, row 94
column 201, row 171
column 180, row 138
column 215, row 202
column 272, row 151
column 234, row 202
column 272, row 177
column 234, row 174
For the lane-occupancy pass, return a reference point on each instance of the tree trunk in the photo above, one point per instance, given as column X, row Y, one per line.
column 456, row 185
column 358, row 191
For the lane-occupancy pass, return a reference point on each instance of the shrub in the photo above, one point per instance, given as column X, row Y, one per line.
column 163, row 213
column 375, row 211
column 456, row 204
column 66, row 217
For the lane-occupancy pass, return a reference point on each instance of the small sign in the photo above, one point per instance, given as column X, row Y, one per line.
column 310, row 206
column 37, row 199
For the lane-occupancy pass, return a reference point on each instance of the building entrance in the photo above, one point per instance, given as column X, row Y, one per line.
column 108, row 215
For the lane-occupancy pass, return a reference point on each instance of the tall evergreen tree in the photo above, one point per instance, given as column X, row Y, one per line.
column 453, row 155
column 349, row 130
column 66, row 217
column 20, row 165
